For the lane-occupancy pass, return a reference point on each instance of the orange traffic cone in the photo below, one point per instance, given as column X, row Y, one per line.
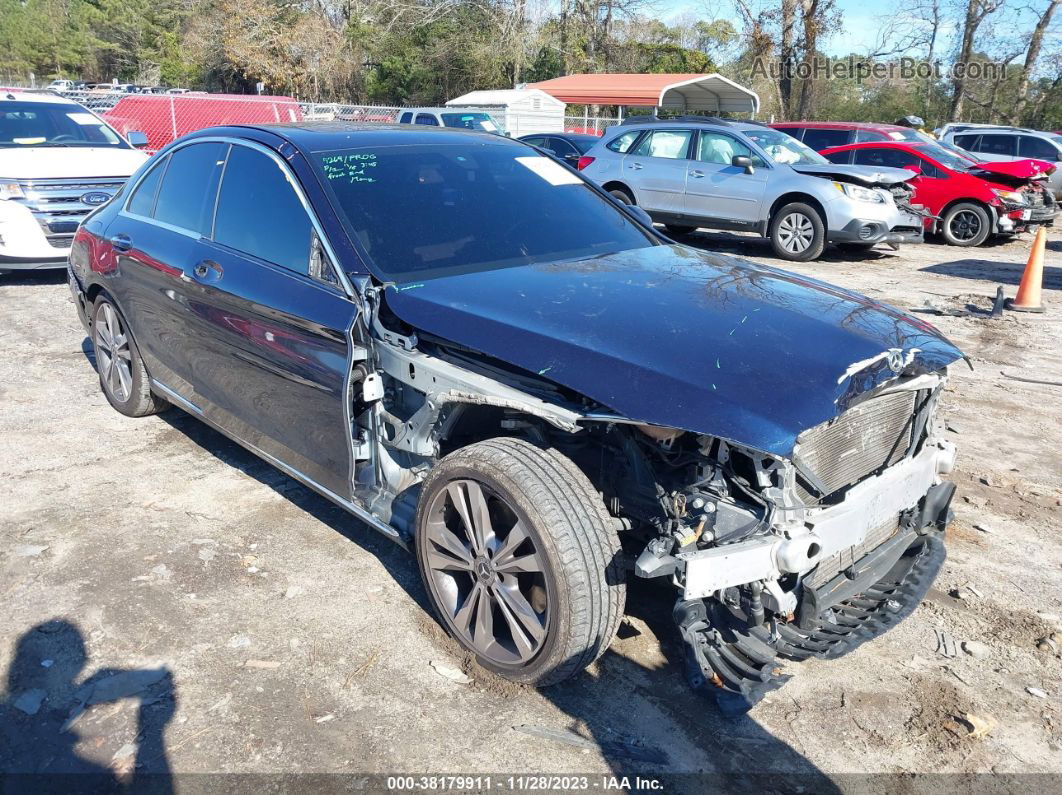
column 1028, row 297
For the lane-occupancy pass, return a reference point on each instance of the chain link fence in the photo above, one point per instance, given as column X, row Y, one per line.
column 164, row 117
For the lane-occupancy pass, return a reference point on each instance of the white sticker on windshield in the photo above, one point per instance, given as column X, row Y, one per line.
column 488, row 125
column 896, row 136
column 84, row 118
column 551, row 171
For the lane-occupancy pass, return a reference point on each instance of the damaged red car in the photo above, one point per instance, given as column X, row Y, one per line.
column 965, row 201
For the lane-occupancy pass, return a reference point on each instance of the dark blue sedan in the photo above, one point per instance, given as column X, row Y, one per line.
column 485, row 357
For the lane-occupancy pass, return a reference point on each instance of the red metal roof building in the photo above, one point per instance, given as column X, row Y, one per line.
column 711, row 93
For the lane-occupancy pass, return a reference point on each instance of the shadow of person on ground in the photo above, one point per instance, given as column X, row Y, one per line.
column 759, row 247
column 43, row 701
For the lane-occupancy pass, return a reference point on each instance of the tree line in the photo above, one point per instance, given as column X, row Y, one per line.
column 400, row 52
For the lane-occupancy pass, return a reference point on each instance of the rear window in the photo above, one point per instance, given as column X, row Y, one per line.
column 623, row 143
column 470, row 121
column 824, row 139
column 470, row 207
column 667, row 144
column 968, row 142
column 1003, row 145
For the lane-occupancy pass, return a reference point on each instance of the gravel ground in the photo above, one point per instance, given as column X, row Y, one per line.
column 173, row 602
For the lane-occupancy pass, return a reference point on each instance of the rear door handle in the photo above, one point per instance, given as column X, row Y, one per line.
column 207, row 270
column 121, row 243
column 696, row 173
column 636, row 166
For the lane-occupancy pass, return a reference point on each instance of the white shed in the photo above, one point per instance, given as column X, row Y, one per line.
column 520, row 111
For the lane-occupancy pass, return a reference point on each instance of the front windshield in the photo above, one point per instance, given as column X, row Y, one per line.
column 946, row 157
column 784, row 148
column 425, row 211
column 53, row 124
column 470, row 121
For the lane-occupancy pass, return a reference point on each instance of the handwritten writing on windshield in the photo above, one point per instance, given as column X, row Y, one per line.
column 349, row 168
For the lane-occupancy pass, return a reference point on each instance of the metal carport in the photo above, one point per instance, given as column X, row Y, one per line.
column 711, row 93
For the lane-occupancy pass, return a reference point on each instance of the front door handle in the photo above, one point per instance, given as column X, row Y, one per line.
column 121, row 243
column 207, row 270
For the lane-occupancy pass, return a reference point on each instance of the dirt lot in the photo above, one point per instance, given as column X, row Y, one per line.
column 232, row 621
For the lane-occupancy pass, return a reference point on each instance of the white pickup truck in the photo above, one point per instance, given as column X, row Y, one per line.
column 58, row 162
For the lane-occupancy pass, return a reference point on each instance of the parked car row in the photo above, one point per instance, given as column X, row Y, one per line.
column 503, row 365
column 887, row 183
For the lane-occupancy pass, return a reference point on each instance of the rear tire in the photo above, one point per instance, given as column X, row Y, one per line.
column 966, row 224
column 622, row 195
column 123, row 377
column 797, row 232
column 537, row 607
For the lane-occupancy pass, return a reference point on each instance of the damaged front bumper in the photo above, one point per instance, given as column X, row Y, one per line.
column 873, row 231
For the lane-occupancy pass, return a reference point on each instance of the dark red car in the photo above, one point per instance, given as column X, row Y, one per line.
column 968, row 200
column 821, row 135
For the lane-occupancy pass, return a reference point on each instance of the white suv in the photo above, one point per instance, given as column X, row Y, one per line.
column 58, row 162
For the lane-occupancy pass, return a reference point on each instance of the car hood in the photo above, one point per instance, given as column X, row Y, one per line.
column 1016, row 170
column 676, row 337
column 54, row 162
column 863, row 175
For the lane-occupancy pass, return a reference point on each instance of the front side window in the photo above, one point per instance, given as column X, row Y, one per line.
column 1004, row 145
column 713, row 147
column 668, row 144
column 824, row 139
column 1038, row 149
column 259, row 213
column 782, row 148
column 426, row 211
column 840, row 158
column 189, row 186
column 53, row 124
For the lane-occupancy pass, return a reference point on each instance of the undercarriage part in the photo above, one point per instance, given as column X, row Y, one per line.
column 739, row 665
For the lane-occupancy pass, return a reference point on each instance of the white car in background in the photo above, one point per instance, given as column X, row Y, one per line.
column 58, row 162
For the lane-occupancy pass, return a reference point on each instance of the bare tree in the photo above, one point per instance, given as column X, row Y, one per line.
column 1036, row 41
column 976, row 12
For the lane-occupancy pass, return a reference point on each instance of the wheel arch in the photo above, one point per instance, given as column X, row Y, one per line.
column 993, row 214
column 616, row 184
column 797, row 196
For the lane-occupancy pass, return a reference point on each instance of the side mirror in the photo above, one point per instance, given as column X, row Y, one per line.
column 641, row 215
column 743, row 161
column 137, row 139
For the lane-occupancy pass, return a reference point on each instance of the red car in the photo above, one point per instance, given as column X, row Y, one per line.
column 821, row 135
column 968, row 200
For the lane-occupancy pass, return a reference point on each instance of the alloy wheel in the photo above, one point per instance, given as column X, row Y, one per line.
column 113, row 357
column 796, row 233
column 487, row 573
column 965, row 225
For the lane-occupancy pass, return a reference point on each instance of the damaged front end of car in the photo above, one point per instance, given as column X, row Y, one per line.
column 806, row 556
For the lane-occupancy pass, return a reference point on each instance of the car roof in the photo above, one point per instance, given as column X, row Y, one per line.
column 324, row 136
column 14, row 95
column 842, row 125
column 890, row 144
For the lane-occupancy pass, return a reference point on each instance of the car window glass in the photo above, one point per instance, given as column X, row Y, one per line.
column 869, row 135
column 560, row 147
column 259, row 212
column 713, row 147
column 428, row 119
column 997, row 144
column 968, row 142
column 1037, row 148
column 406, row 118
column 142, row 202
column 669, row 144
column 886, row 158
column 823, row 139
column 622, row 143
column 186, row 196
column 841, row 158
column 539, row 141
column 796, row 132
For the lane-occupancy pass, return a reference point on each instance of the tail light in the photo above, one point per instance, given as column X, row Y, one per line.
column 584, row 161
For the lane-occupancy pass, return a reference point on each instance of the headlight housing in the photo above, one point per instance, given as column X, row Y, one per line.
column 859, row 193
column 1011, row 196
column 10, row 189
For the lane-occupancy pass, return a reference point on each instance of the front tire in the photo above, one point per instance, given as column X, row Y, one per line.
column 123, row 377
column 676, row 230
column 965, row 224
column 520, row 560
column 797, row 232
